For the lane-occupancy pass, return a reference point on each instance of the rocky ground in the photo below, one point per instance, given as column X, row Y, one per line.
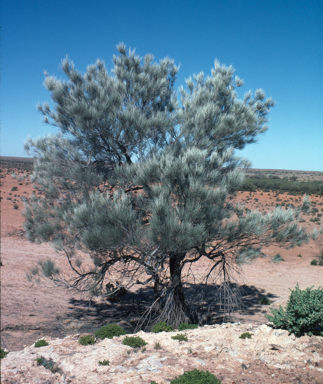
column 270, row 356
column 30, row 311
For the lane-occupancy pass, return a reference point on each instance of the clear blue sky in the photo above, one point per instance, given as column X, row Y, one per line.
column 273, row 44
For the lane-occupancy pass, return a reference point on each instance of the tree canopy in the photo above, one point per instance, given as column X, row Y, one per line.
column 139, row 178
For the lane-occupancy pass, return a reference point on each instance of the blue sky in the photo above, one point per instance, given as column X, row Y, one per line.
column 273, row 45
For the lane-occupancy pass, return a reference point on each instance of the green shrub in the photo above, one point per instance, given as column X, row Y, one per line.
column 14, row 188
column 87, row 340
column 41, row 343
column 264, row 301
column 321, row 262
column 104, row 362
column 196, row 377
column 299, row 255
column 277, row 258
column 157, row 346
column 245, row 335
column 303, row 313
column 134, row 341
column 180, row 337
column 3, row 353
column 15, row 206
column 48, row 364
column 314, row 262
column 109, row 330
column 184, row 326
column 162, row 327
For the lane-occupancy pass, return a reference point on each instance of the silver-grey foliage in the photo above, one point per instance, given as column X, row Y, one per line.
column 141, row 182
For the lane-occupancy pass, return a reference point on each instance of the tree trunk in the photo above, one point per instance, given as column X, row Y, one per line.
column 157, row 292
column 174, row 310
column 176, row 280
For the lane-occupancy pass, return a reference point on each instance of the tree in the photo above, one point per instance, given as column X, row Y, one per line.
column 142, row 183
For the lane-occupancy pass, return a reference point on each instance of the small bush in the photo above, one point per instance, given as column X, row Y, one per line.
column 41, row 343
column 184, row 326
column 299, row 255
column 162, row 327
column 264, row 301
column 245, row 335
column 48, row 267
column 104, row 362
column 87, row 340
column 134, row 341
column 321, row 262
column 277, row 258
column 109, row 331
column 196, row 377
column 14, row 188
column 15, row 206
column 48, row 364
column 314, row 262
column 180, row 337
column 303, row 313
column 157, row 346
column 3, row 353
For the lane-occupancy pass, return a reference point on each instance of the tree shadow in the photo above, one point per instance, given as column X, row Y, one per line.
column 205, row 302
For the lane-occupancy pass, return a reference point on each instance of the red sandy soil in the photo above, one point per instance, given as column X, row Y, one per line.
column 30, row 310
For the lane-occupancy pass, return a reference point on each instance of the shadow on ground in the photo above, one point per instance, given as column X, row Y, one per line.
column 208, row 305
column 86, row 316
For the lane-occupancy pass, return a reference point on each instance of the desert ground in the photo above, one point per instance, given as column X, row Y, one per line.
column 30, row 311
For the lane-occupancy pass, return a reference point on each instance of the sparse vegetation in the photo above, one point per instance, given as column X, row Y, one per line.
column 255, row 182
column 41, row 343
column 109, row 331
column 314, row 262
column 196, row 377
column 180, row 337
column 104, row 362
column 3, row 353
column 87, row 340
column 48, row 364
column 162, row 327
column 184, row 326
column 277, row 258
column 245, row 335
column 264, row 301
column 134, row 341
column 157, row 345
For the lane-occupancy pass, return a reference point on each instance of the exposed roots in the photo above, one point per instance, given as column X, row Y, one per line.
column 172, row 312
